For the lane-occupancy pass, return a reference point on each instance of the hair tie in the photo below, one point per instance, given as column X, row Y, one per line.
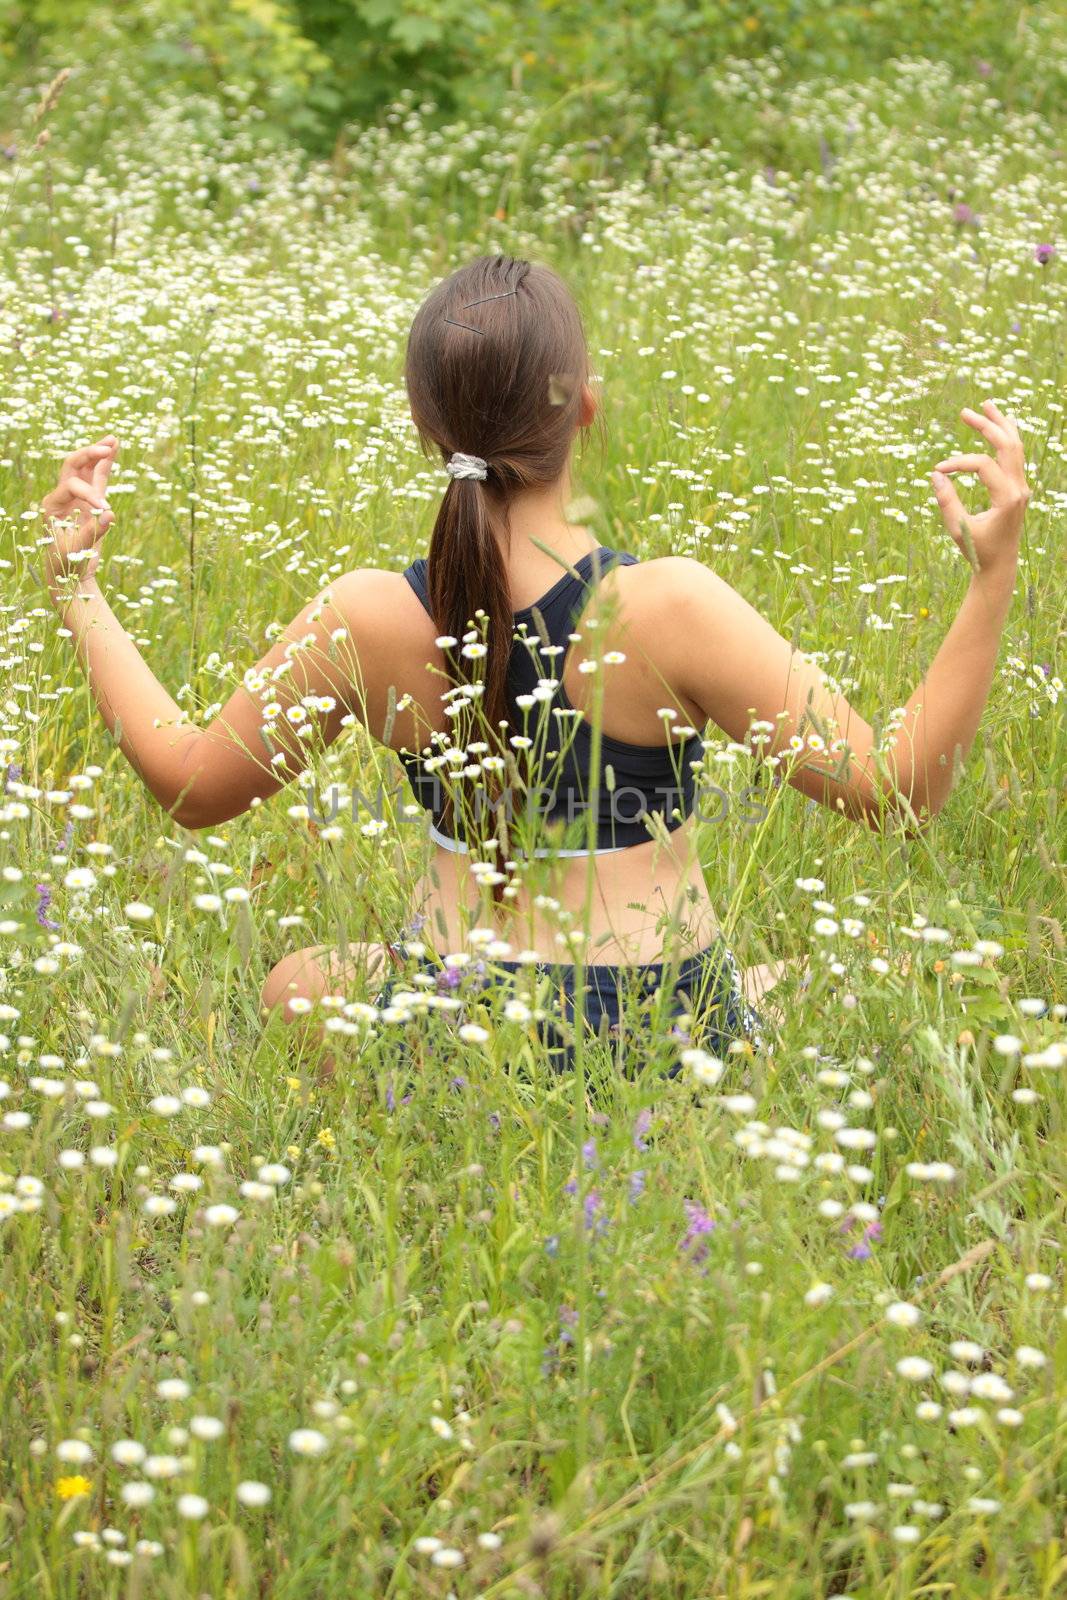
column 462, row 466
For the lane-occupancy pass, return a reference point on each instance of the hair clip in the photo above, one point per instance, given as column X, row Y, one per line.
column 502, row 296
column 480, row 302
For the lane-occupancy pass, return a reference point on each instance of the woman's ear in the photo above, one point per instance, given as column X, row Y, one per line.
column 586, row 407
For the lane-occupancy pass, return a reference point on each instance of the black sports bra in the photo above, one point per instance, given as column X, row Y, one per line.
column 635, row 781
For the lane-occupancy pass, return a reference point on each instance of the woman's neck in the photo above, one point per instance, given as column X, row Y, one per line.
column 537, row 518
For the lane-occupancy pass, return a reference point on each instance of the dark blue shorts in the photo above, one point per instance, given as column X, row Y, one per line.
column 622, row 1004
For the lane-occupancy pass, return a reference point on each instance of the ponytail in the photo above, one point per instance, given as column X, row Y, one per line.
column 466, row 574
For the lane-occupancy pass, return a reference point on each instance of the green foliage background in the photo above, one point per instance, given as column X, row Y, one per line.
column 316, row 66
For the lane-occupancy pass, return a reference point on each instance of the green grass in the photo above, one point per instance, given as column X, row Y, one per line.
column 557, row 1368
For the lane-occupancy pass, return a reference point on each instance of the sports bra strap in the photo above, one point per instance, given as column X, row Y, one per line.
column 557, row 605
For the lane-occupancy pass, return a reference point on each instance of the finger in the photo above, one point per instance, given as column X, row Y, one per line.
column 948, row 502
column 998, row 416
column 991, row 473
column 1016, row 447
column 1010, row 427
column 1008, row 448
column 80, row 489
column 986, row 426
column 101, row 472
column 84, row 459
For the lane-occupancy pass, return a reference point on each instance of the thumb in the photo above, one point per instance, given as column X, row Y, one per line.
column 949, row 503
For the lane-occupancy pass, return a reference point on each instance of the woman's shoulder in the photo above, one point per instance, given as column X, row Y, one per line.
column 663, row 580
column 380, row 596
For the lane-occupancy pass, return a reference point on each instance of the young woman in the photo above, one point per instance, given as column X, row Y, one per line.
column 521, row 635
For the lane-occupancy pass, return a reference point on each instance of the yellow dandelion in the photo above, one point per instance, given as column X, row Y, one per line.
column 71, row 1488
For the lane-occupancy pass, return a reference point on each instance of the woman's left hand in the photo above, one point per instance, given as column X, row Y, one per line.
column 77, row 514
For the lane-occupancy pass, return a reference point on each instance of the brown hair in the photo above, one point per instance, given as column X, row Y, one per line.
column 496, row 360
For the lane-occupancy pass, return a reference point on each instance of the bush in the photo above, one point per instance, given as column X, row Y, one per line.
column 314, row 67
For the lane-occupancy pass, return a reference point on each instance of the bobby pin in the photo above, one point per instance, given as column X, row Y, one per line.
column 480, row 302
column 502, row 296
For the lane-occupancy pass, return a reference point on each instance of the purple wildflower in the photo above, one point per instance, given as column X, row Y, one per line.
column 861, row 1250
column 700, row 1224
column 494, row 1121
column 9, row 152
column 963, row 216
column 568, row 1320
column 552, row 1245
column 448, row 978
column 14, row 773
column 984, row 69
column 44, row 902
column 589, row 1153
column 642, row 1123
column 1044, row 253
column 458, row 1084
column 637, row 1185
column 595, row 1220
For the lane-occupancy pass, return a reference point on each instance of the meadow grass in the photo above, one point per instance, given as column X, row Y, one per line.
column 424, row 1329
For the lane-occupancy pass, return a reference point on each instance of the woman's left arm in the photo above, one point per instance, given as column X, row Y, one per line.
column 309, row 679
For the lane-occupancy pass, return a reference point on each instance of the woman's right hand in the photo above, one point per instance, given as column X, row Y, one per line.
column 77, row 514
column 989, row 539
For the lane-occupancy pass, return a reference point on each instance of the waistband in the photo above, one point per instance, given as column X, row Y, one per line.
column 459, row 848
column 693, row 964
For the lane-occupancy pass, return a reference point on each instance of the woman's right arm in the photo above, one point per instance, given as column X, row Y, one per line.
column 732, row 664
column 331, row 663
